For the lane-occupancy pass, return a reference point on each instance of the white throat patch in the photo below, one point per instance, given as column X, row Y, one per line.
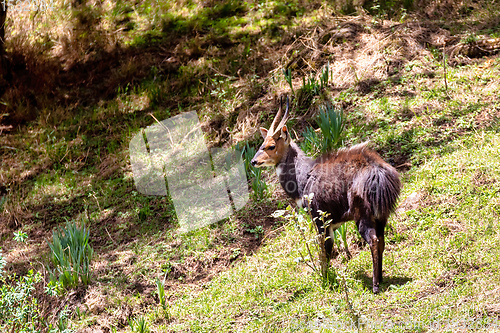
column 279, row 170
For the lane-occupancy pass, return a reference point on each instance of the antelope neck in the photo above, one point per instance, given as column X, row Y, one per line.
column 293, row 171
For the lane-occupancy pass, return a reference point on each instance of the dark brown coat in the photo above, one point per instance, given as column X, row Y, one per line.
column 349, row 184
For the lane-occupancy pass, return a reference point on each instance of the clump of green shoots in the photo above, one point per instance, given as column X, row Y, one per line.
column 71, row 255
column 160, row 291
column 288, row 77
column 311, row 142
column 20, row 309
column 139, row 325
column 310, row 86
column 62, row 322
column 331, row 125
column 259, row 186
column 341, row 235
column 325, row 76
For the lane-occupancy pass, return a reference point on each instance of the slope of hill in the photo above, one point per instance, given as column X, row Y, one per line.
column 420, row 83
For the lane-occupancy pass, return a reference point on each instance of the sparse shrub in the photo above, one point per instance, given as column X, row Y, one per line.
column 314, row 242
column 71, row 255
column 20, row 309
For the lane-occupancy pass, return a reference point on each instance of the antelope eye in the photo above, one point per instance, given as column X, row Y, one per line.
column 271, row 147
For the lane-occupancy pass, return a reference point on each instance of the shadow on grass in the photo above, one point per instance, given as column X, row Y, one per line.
column 388, row 281
column 92, row 68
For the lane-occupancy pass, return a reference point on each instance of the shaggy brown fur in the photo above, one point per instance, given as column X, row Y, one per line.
column 349, row 184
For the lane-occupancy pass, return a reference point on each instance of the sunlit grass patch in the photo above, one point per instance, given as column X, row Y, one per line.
column 429, row 273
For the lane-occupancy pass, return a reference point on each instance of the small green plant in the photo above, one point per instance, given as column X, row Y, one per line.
column 470, row 39
column 160, row 291
column 235, row 253
column 258, row 185
column 325, row 75
column 19, row 309
column 341, row 234
column 20, row 236
column 288, row 77
column 311, row 86
column 71, row 255
column 331, row 123
column 311, row 143
column 139, row 325
column 3, row 199
column 257, row 231
column 62, row 322
column 144, row 212
column 53, row 288
column 314, row 241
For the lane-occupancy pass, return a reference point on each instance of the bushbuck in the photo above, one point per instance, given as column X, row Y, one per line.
column 348, row 184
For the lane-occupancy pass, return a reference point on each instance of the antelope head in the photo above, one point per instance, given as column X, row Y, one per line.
column 276, row 141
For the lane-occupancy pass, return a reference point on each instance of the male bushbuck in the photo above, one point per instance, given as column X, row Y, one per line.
column 349, row 184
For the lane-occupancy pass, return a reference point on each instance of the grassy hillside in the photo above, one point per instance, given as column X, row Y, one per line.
column 417, row 79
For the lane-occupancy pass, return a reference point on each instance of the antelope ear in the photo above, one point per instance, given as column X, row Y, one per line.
column 284, row 132
column 263, row 132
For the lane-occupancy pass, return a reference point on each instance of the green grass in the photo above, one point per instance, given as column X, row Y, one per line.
column 440, row 264
column 18, row 304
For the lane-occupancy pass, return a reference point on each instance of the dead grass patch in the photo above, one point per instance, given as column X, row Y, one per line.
column 359, row 51
column 412, row 201
column 108, row 167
